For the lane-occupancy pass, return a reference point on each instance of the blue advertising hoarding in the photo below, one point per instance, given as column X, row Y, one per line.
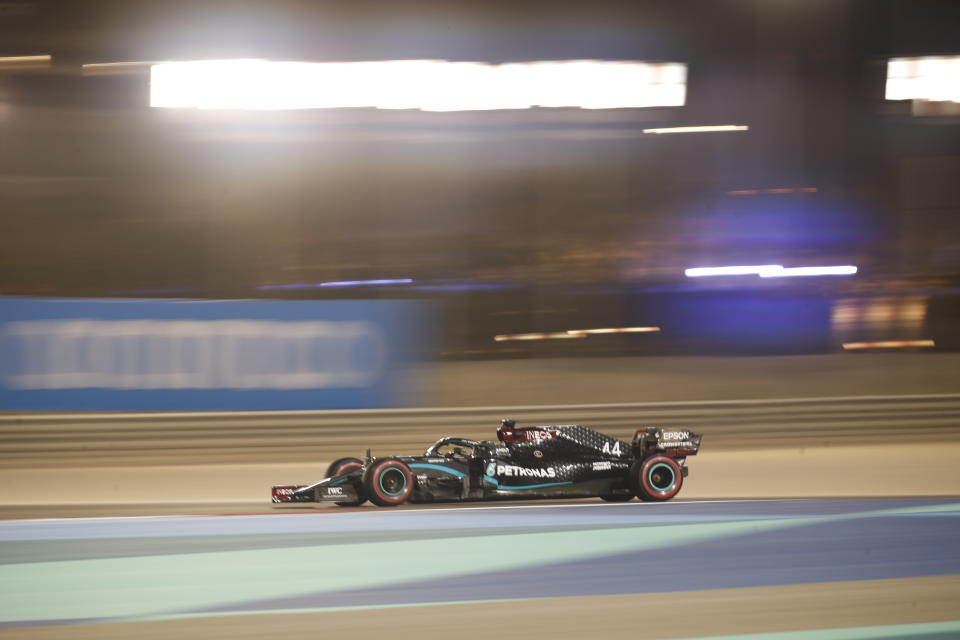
column 198, row 355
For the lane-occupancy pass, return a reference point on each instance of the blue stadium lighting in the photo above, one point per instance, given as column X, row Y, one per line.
column 341, row 283
column 747, row 270
column 357, row 283
column 770, row 271
column 843, row 270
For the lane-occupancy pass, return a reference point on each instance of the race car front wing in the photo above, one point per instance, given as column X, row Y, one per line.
column 314, row 493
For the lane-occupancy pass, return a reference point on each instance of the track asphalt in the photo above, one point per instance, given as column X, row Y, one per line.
column 95, row 570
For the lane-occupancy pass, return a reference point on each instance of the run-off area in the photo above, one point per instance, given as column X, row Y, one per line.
column 167, row 570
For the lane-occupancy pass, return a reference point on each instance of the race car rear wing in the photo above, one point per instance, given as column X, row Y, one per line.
column 677, row 444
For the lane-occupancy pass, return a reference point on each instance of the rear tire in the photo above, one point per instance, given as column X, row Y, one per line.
column 656, row 479
column 346, row 465
column 388, row 482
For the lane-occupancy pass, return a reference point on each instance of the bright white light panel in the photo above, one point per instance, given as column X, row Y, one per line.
column 770, row 271
column 934, row 78
column 428, row 85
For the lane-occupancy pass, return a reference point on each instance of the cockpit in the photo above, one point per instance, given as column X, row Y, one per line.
column 453, row 448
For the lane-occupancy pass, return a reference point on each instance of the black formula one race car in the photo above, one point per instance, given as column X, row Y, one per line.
column 559, row 461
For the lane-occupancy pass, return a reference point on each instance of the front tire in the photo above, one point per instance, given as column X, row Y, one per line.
column 388, row 482
column 656, row 479
column 346, row 465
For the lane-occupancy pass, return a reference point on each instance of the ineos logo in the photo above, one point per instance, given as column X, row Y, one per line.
column 537, row 435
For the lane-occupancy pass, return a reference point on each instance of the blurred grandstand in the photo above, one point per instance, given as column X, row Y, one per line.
column 552, row 224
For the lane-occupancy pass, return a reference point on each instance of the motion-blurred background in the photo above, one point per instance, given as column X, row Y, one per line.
column 830, row 180
column 241, row 239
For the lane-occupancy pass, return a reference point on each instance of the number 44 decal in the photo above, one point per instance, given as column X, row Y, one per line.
column 614, row 450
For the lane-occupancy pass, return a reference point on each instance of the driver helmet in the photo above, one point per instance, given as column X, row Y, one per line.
column 505, row 425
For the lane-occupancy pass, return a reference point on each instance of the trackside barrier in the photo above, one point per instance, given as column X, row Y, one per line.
column 122, row 439
column 76, row 354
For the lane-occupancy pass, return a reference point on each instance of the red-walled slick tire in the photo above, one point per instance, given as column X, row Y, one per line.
column 656, row 478
column 346, row 465
column 388, row 482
